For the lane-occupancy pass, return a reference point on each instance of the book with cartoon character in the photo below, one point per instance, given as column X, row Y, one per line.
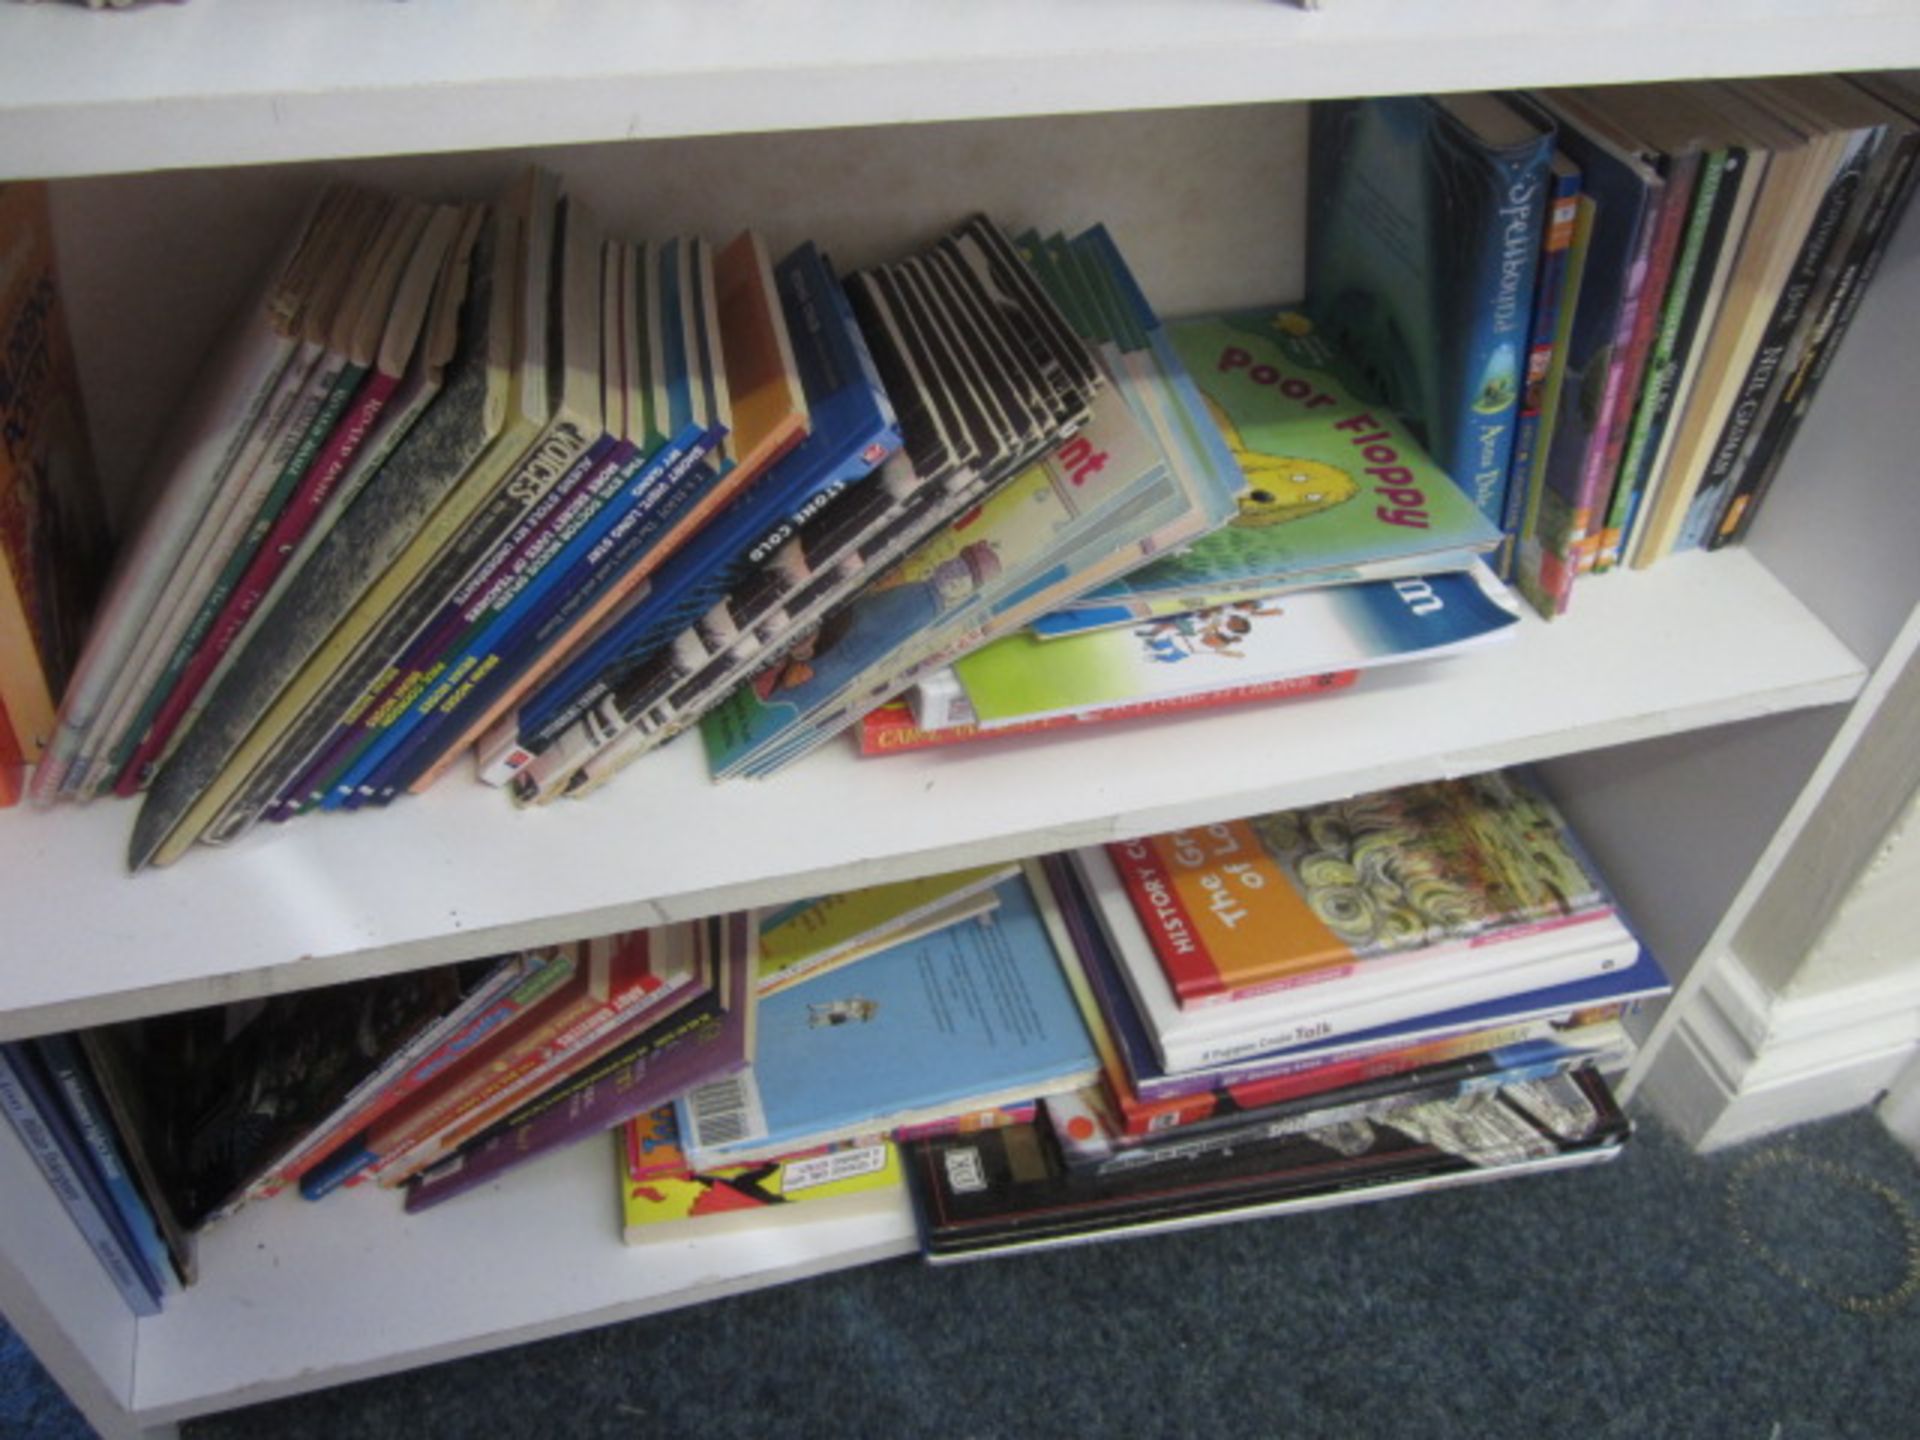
column 976, row 1015
column 1336, row 489
column 1424, row 222
column 1343, row 627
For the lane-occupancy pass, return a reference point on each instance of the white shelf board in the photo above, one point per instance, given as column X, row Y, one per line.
column 1700, row 640
column 293, row 1296
column 213, row 82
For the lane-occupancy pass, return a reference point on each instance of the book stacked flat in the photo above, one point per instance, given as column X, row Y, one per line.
column 1606, row 309
column 1347, row 549
column 1426, row 983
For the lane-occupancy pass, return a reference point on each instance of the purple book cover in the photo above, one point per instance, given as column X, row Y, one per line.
column 693, row 1051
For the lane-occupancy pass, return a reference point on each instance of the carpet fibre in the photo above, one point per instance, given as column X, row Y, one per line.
column 1764, row 1292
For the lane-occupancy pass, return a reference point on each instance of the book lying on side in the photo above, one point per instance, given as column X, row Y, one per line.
column 893, row 727
column 841, row 1182
column 1345, row 627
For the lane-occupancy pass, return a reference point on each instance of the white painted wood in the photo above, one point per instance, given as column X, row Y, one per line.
column 57, row 1298
column 294, row 1296
column 248, row 81
column 1701, row 641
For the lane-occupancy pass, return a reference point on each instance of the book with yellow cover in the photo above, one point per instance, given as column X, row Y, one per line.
column 863, row 1178
column 813, row 936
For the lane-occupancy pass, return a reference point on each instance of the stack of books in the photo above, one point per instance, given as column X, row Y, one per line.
column 1605, row 309
column 1417, row 987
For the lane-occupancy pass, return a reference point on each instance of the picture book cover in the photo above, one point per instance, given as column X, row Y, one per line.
column 809, row 936
column 1232, row 908
column 54, row 543
column 849, row 1179
column 1312, row 632
column 953, row 1021
column 1331, row 482
column 1424, row 221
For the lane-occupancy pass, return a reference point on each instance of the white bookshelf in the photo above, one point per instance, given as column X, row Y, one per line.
column 1688, row 717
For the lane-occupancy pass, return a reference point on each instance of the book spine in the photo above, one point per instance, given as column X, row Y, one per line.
column 343, row 702
column 38, row 1130
column 1657, row 389
column 1793, row 314
column 1548, row 292
column 489, row 594
column 1212, row 1051
column 60, row 1055
column 585, row 565
column 1165, row 919
column 1675, row 209
column 686, row 1054
column 1843, row 302
column 526, row 660
column 347, row 430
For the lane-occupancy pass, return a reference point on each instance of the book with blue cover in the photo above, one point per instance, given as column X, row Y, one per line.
column 1425, row 215
column 962, row 1019
column 854, row 429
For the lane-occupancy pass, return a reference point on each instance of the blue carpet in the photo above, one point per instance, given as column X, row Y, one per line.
column 1666, row 1294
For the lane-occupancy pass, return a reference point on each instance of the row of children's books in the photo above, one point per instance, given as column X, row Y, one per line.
column 1339, row 1001
column 1606, row 310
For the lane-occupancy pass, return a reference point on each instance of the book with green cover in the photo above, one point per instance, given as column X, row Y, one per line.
column 1332, row 483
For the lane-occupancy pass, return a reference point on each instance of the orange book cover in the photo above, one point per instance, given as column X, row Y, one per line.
column 1252, row 905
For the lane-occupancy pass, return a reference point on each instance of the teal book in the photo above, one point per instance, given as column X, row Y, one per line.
column 968, row 1017
column 1424, row 222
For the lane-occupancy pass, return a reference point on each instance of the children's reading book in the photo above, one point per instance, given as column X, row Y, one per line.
column 842, row 1181
column 1423, row 234
column 1279, row 900
column 812, row 936
column 967, row 1018
column 1345, row 627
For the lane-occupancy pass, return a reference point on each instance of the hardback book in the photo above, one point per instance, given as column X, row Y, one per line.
column 54, row 541
column 810, row 937
column 28, row 1103
column 1189, row 657
column 974, row 1015
column 711, row 1039
column 1424, row 221
column 1010, row 1189
column 841, row 1182
column 1326, row 892
column 255, row 727
column 895, row 727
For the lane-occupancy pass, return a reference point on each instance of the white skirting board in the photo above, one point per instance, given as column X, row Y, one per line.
column 1743, row 1062
column 1899, row 1110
